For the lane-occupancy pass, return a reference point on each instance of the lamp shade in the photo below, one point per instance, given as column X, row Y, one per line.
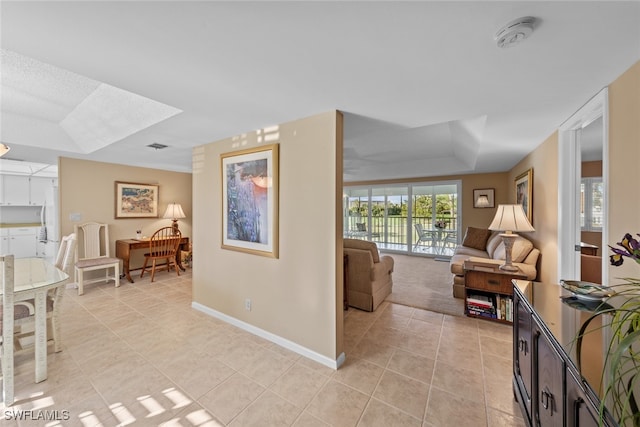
column 174, row 211
column 511, row 218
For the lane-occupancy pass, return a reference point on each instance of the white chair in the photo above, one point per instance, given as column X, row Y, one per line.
column 8, row 311
column 424, row 236
column 94, row 254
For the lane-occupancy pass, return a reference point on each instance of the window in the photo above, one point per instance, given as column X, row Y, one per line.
column 591, row 191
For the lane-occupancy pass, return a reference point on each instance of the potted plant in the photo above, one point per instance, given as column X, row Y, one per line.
column 621, row 314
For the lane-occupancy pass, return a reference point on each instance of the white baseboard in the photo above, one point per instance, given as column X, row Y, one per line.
column 276, row 339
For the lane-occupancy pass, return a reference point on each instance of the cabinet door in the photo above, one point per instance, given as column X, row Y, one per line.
column 23, row 246
column 38, row 189
column 4, row 245
column 522, row 351
column 579, row 410
column 16, row 190
column 549, row 381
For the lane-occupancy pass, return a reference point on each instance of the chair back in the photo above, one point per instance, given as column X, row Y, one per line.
column 420, row 230
column 8, row 300
column 165, row 242
column 95, row 240
column 66, row 251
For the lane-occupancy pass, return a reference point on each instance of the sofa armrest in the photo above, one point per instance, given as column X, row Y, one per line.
column 383, row 268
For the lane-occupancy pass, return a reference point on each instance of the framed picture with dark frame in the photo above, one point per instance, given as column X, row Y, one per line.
column 484, row 198
column 250, row 200
column 524, row 192
column 136, row 200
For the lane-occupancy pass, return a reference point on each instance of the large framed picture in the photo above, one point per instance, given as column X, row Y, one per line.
column 524, row 192
column 250, row 200
column 136, row 200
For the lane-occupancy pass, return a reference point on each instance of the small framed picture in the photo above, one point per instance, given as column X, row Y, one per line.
column 483, row 198
column 136, row 200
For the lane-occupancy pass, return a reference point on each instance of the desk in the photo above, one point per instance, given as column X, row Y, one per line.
column 124, row 248
column 33, row 277
column 588, row 249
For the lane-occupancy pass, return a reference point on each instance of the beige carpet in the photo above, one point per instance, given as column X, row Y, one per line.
column 424, row 283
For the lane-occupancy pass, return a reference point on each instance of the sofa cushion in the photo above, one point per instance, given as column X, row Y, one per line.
column 364, row 245
column 476, row 238
column 521, row 248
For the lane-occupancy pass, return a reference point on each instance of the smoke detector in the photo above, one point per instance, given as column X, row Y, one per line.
column 515, row 32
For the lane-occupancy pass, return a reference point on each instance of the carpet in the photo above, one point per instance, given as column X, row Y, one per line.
column 424, row 283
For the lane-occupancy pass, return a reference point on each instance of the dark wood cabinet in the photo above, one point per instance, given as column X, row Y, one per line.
column 546, row 382
column 548, row 387
column 522, row 347
column 580, row 411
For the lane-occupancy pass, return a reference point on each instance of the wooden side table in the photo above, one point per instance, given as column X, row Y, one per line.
column 489, row 292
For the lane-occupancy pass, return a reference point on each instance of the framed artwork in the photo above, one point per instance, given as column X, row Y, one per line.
column 483, row 198
column 250, row 200
column 524, row 192
column 136, row 200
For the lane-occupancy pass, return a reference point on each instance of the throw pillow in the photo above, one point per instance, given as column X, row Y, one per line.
column 476, row 238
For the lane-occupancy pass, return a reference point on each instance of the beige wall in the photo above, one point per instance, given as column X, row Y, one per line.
column 471, row 217
column 624, row 197
column 296, row 297
column 87, row 188
column 624, row 157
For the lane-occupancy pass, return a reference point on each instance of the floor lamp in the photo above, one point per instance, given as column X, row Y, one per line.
column 510, row 218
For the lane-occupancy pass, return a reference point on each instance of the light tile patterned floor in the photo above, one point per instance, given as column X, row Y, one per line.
column 139, row 355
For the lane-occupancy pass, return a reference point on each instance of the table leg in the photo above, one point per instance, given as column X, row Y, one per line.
column 179, row 258
column 41, row 336
column 125, row 268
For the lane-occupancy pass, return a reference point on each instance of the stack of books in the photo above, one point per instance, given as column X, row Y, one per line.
column 494, row 306
column 481, row 305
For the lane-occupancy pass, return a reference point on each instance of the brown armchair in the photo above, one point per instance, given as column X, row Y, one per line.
column 369, row 274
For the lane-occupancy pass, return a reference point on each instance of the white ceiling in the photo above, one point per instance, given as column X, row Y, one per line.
column 424, row 89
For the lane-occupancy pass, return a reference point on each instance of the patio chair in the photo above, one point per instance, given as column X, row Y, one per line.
column 163, row 245
column 424, row 236
column 95, row 254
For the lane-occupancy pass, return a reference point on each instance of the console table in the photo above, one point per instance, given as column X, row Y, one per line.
column 547, row 384
column 124, row 248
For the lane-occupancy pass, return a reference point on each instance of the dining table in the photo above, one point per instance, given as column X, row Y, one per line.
column 33, row 278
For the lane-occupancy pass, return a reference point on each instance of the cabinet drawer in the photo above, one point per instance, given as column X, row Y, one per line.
column 491, row 282
column 23, row 231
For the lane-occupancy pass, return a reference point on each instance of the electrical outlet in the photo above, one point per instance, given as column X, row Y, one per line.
column 247, row 304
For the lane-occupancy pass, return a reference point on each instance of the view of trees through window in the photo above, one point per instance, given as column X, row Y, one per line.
column 388, row 215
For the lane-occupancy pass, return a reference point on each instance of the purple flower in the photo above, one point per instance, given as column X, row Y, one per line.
column 631, row 249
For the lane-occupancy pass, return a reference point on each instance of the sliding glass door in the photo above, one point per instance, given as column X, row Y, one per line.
column 417, row 218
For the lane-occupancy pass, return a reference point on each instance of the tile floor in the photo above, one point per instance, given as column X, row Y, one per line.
column 139, row 355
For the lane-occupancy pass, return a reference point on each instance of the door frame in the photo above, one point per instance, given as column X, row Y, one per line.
column 569, row 178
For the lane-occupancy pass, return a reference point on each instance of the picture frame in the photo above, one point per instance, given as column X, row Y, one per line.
column 489, row 193
column 250, row 200
column 524, row 192
column 133, row 200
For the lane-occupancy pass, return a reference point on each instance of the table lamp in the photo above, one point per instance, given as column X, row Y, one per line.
column 510, row 218
column 174, row 212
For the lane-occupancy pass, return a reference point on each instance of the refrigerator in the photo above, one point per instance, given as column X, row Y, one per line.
column 49, row 235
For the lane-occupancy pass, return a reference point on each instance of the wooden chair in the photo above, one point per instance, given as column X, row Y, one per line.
column 95, row 254
column 163, row 245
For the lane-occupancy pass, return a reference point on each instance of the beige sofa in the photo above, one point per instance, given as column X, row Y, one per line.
column 369, row 274
column 483, row 243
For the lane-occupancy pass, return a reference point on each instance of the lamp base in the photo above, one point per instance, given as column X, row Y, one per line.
column 510, row 268
column 175, row 226
column 508, row 239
